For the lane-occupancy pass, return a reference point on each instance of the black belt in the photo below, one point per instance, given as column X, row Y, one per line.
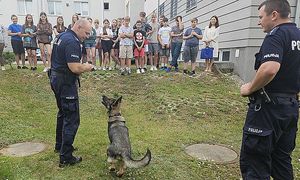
column 66, row 74
column 288, row 95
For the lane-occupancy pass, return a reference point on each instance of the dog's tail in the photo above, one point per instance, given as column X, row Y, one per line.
column 129, row 162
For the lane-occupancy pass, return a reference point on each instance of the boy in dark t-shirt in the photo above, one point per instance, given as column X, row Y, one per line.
column 139, row 50
column 146, row 28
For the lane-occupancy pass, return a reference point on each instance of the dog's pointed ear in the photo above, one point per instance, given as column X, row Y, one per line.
column 104, row 101
column 119, row 100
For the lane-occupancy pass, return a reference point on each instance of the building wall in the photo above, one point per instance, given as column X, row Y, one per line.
column 95, row 7
column 117, row 9
column 133, row 8
column 239, row 30
column 96, row 10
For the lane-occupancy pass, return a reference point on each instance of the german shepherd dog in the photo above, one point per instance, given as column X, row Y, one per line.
column 120, row 148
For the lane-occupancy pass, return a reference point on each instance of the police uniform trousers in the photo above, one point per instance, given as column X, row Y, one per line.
column 269, row 136
column 64, row 87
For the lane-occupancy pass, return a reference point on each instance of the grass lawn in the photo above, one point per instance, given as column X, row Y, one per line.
column 164, row 112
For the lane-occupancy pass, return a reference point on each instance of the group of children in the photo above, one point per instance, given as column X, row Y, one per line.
column 152, row 41
column 119, row 41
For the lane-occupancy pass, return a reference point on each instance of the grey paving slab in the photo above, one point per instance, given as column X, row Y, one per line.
column 23, row 149
column 212, row 152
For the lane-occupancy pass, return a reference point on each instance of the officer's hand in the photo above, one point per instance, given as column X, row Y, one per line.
column 245, row 89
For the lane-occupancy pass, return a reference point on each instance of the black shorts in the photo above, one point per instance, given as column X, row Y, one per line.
column 39, row 42
column 30, row 48
column 17, row 47
column 117, row 46
column 106, row 45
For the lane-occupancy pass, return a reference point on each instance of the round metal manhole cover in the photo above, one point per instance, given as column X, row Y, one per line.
column 212, row 152
column 23, row 149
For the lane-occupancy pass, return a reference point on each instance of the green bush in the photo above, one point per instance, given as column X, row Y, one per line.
column 9, row 58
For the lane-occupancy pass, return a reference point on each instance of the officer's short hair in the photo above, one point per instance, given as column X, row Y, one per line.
column 165, row 19
column 281, row 6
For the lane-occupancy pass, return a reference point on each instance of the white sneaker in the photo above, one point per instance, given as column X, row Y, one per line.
column 3, row 68
column 129, row 71
column 142, row 70
column 138, row 71
column 46, row 69
column 109, row 68
column 104, row 69
column 152, row 68
column 155, row 68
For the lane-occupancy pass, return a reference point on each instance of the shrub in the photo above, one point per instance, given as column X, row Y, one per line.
column 9, row 58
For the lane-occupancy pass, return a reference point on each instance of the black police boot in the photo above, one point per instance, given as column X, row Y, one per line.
column 74, row 160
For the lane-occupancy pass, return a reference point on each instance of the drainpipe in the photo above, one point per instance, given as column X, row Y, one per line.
column 297, row 14
column 158, row 2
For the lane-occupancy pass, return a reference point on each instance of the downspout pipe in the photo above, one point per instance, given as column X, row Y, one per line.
column 297, row 14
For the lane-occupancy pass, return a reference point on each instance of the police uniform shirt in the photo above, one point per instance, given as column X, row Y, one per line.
column 66, row 49
column 282, row 44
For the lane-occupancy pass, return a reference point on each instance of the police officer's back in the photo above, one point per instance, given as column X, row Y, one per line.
column 65, row 69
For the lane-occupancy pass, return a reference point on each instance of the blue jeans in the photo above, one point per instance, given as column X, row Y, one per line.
column 175, row 49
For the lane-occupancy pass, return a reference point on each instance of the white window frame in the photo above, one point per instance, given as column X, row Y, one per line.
column 26, row 9
column 221, row 55
column 191, row 4
column 81, row 8
column 56, row 3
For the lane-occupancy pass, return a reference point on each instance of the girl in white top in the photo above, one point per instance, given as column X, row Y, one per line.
column 2, row 45
column 98, row 42
column 211, row 39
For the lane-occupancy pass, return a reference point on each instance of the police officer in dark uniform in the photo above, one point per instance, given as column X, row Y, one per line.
column 270, row 128
column 65, row 69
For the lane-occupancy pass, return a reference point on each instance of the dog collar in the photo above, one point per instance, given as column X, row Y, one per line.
column 116, row 118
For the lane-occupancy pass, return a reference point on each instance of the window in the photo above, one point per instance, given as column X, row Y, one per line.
column 161, row 9
column 173, row 8
column 81, row 8
column 106, row 6
column 225, row 55
column 54, row 7
column 25, row 6
column 190, row 4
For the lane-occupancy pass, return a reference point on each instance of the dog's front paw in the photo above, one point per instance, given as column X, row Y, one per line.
column 120, row 173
